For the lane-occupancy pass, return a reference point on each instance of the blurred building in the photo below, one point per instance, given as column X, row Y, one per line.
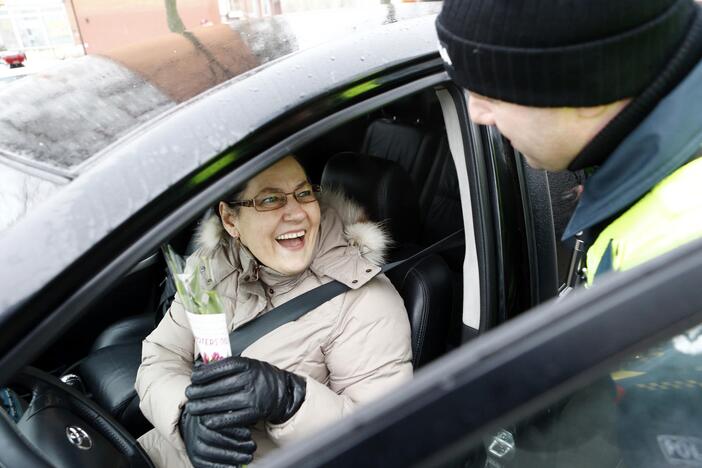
column 66, row 28
column 38, row 27
column 293, row 6
column 239, row 9
column 57, row 29
column 106, row 24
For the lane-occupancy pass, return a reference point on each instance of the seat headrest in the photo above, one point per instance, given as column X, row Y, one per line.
column 382, row 187
column 421, row 109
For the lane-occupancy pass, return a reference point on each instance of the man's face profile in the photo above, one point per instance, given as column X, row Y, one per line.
column 548, row 137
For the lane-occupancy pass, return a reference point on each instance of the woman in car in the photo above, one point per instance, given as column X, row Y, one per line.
column 275, row 240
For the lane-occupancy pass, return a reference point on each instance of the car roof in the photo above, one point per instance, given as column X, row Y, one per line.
column 179, row 144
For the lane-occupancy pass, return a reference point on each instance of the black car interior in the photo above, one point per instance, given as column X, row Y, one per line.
column 395, row 162
column 52, row 412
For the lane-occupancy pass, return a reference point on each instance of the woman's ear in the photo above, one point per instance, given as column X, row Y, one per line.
column 228, row 219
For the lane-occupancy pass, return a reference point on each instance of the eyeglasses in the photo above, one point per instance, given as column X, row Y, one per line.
column 272, row 201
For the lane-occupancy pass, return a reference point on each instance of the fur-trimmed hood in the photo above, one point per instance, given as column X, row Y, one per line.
column 371, row 238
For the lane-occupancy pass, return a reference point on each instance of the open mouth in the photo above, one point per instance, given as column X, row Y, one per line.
column 292, row 240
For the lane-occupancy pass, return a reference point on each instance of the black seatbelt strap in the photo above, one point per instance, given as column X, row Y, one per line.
column 452, row 240
column 250, row 332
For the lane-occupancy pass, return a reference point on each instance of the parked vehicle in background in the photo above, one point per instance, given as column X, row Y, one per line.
column 14, row 59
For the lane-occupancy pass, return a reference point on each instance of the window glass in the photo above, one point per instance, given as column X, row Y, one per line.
column 31, row 31
column 645, row 413
column 57, row 28
column 7, row 34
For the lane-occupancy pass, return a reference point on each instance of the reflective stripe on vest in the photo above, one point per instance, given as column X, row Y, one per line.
column 667, row 217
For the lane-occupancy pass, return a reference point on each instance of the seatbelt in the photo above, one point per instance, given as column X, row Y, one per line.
column 249, row 333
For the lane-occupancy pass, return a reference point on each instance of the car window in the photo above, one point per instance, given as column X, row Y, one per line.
column 644, row 412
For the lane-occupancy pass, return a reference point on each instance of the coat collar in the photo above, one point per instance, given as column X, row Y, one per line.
column 669, row 137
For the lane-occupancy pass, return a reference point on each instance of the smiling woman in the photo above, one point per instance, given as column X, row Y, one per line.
column 278, row 238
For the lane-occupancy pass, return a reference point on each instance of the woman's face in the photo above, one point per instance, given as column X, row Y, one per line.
column 282, row 239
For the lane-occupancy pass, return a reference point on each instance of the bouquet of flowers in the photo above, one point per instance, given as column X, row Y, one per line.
column 203, row 307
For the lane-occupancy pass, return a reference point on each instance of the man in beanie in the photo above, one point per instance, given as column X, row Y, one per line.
column 577, row 84
column 613, row 87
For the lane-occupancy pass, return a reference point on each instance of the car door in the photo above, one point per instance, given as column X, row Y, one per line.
column 481, row 398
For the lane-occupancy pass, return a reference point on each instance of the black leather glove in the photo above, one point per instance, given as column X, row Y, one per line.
column 239, row 391
column 209, row 448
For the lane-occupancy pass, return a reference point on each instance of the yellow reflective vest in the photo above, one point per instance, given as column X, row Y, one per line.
column 667, row 217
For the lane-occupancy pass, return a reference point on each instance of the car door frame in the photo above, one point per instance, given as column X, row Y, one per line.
column 512, row 221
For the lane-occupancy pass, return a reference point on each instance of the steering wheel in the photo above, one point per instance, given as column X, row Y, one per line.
column 62, row 428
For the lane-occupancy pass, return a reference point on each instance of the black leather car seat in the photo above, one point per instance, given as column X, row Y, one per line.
column 386, row 190
column 108, row 375
column 411, row 146
column 440, row 204
column 129, row 330
column 410, row 136
column 426, row 285
column 427, row 158
column 383, row 188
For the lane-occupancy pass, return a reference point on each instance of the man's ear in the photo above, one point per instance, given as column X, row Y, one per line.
column 229, row 219
column 481, row 109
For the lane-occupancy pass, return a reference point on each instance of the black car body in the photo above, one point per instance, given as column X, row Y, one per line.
column 127, row 158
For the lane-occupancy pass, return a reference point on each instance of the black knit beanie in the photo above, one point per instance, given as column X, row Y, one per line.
column 560, row 53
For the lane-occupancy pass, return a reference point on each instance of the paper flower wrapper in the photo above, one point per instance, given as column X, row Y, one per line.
column 211, row 336
column 203, row 308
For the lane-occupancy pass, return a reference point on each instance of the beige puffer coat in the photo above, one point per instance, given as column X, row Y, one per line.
column 352, row 349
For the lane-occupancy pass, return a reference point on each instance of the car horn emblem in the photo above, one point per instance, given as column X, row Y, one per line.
column 79, row 437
